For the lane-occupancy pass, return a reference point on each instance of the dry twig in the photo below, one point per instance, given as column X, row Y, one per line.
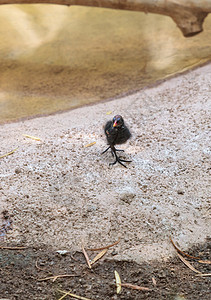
column 180, row 251
column 89, row 145
column 36, row 265
column 208, row 262
column 86, row 257
column 57, row 276
column 204, row 275
column 32, row 137
column 105, row 247
column 154, row 281
column 135, row 287
column 98, row 256
column 188, row 264
column 12, row 248
column 11, row 152
column 72, row 295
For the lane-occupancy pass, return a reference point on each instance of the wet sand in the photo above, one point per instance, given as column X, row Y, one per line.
column 54, row 58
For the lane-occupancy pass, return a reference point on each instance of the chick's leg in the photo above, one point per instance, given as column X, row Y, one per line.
column 118, row 159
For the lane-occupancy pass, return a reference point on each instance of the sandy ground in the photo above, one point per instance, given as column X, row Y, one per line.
column 59, row 192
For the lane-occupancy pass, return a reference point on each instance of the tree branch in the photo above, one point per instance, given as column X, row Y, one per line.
column 189, row 15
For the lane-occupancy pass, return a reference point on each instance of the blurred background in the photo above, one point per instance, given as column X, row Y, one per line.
column 54, row 58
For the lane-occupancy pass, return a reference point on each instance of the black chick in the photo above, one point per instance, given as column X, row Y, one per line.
column 116, row 133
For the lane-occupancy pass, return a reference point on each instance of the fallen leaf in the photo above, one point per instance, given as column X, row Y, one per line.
column 32, row 137
column 98, row 256
column 109, row 112
column 118, row 282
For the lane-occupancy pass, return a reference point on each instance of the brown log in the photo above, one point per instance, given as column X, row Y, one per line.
column 189, row 15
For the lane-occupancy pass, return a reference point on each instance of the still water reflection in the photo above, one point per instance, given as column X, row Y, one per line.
column 54, row 58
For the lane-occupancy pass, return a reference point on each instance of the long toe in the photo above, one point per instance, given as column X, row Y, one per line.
column 111, row 164
column 106, row 150
column 125, row 160
column 120, row 162
column 120, row 150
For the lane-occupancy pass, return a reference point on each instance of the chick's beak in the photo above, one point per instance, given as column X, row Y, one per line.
column 115, row 124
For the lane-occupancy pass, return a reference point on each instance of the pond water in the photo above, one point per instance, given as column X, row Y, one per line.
column 54, row 58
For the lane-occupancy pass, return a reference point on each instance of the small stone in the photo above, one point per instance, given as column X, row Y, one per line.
column 177, row 214
column 62, row 252
column 144, row 188
column 18, row 170
column 180, row 192
column 114, row 252
column 91, row 208
column 127, row 197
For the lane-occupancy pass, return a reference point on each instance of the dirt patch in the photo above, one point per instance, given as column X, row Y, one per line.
column 21, row 271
